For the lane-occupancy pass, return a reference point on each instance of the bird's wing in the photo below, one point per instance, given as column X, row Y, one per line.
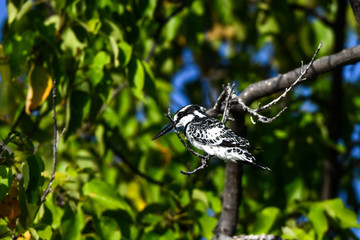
column 212, row 132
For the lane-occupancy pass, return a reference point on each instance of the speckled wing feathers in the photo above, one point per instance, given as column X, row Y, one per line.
column 212, row 132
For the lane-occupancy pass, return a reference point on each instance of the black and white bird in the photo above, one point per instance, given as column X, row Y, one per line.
column 211, row 136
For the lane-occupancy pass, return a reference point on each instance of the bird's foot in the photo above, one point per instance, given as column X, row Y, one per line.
column 204, row 164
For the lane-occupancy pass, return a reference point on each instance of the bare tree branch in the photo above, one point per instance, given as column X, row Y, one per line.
column 270, row 86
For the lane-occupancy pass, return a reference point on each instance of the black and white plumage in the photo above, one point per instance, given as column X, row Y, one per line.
column 211, row 136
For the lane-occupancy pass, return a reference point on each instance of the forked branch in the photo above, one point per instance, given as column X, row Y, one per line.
column 255, row 112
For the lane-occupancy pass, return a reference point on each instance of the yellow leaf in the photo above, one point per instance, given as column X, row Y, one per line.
column 40, row 83
column 25, row 236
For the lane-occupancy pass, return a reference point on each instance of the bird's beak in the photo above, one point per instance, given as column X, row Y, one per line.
column 166, row 129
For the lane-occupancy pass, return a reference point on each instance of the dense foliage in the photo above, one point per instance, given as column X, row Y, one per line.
column 113, row 62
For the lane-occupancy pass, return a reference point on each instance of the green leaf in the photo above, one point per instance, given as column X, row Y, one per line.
column 26, row 7
column 115, row 51
column 123, row 219
column 94, row 25
column 6, row 179
column 71, row 42
column 72, row 223
column 318, row 219
column 125, row 52
column 53, row 213
column 265, row 220
column 12, row 12
column 28, row 209
column 295, row 190
column 295, row 233
column 78, row 101
column 36, row 167
column 96, row 71
column 155, row 210
column 150, row 80
column 137, row 78
column 281, row 134
column 172, row 28
column 267, row 24
column 102, row 193
column 200, row 196
column 336, row 210
column 207, row 225
column 107, row 228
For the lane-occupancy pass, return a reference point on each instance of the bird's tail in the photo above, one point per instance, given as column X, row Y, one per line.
column 260, row 165
column 251, row 159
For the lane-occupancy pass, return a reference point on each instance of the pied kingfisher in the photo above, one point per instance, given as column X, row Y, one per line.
column 211, row 136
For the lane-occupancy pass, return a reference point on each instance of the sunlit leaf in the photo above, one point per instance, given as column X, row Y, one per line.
column 12, row 12
column 281, row 134
column 267, row 24
column 104, row 194
column 94, row 25
column 336, row 210
column 25, row 236
column 137, row 78
column 295, row 233
column 318, row 219
column 25, row 8
column 200, row 196
column 71, row 42
column 96, row 71
column 265, row 220
column 115, row 50
column 40, row 85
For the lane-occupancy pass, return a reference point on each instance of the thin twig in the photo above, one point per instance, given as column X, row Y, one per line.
column 300, row 78
column 260, row 117
column 55, row 145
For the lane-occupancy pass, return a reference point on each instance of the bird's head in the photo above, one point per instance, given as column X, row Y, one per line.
column 183, row 116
